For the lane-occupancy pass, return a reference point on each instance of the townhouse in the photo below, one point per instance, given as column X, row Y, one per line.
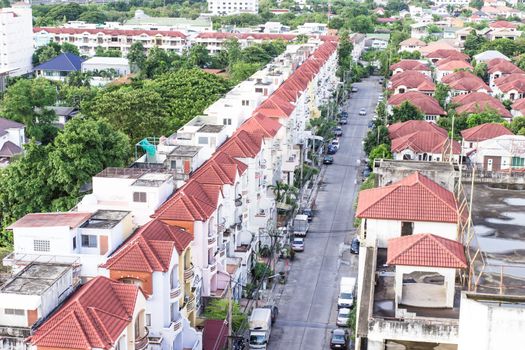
column 472, row 136
column 213, row 41
column 87, row 40
column 479, row 102
column 428, row 105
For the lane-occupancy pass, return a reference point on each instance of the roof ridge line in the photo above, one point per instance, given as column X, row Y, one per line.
column 434, row 237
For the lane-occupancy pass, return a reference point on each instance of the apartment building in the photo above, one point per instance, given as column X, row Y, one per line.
column 16, row 24
column 87, row 40
column 232, row 7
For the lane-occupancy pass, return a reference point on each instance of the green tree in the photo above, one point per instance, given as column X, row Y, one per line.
column 45, row 53
column 93, row 16
column 473, row 43
column 255, row 54
column 101, row 52
column 138, row 113
column 482, row 118
column 375, row 137
column 481, row 70
column 405, row 112
column 157, row 62
column 517, row 126
column 233, row 51
column 67, row 47
column 477, row 4
column 217, row 309
column 241, row 71
column 83, row 149
column 441, row 94
column 362, row 24
column 381, row 151
column 508, row 47
column 198, row 56
column 137, row 55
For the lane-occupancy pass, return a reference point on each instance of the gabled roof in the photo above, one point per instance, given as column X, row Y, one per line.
column 412, row 42
column 412, row 80
column 503, row 66
column 465, row 81
column 93, row 317
column 452, row 64
column 426, row 250
column 502, row 24
column 425, row 142
column 265, row 126
column 482, row 106
column 448, row 53
column 10, row 124
column 426, row 104
column 514, row 81
column 405, row 128
column 519, row 105
column 69, row 219
column 110, row 32
column 9, row 150
column 150, row 248
column 65, row 62
column 489, row 55
column 410, row 65
column 415, row 198
column 484, row 132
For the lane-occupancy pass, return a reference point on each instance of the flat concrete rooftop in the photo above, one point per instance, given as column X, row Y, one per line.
column 35, row 279
column 105, row 219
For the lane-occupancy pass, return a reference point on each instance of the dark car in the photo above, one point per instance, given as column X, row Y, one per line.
column 339, row 339
column 367, row 172
column 331, row 149
column 338, row 131
column 370, row 124
column 308, row 212
column 344, row 114
column 354, row 246
column 343, row 121
column 275, row 311
column 328, row 160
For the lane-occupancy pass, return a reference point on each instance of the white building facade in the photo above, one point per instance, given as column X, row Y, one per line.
column 16, row 40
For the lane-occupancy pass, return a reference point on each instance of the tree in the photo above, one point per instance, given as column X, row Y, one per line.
column 361, row 24
column 380, row 151
column 93, row 16
column 517, row 126
column 45, row 53
column 241, row 71
column 405, row 112
column 507, row 47
column 255, row 54
column 136, row 55
column 482, row 118
column 378, row 135
column 217, row 309
column 477, row 4
column 101, row 52
column 83, row 149
column 481, row 70
column 157, row 62
column 138, row 113
column 473, row 43
column 441, row 94
column 232, row 48
column 198, row 56
column 67, row 47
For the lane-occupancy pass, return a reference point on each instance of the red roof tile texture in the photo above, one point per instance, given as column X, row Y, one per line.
column 451, row 54
column 503, row 66
column 465, row 81
column 410, row 65
column 514, row 81
column 412, row 79
column 426, row 104
column 93, row 317
column 451, row 65
column 426, row 250
column 70, row 220
column 415, row 198
column 502, row 24
column 476, row 102
column 425, row 142
column 485, row 132
column 409, row 127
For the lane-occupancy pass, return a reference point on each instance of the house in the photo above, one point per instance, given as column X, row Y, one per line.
column 411, row 45
column 29, row 297
column 499, row 67
column 158, row 259
column 518, row 108
column 376, row 41
column 495, row 12
column 461, row 35
column 418, row 30
column 510, row 87
column 505, row 152
column 426, row 104
column 478, row 102
column 105, row 69
column 464, row 82
column 489, row 55
column 472, row 136
column 60, row 67
column 411, row 206
column 510, row 33
column 479, row 16
column 63, row 114
column 414, row 65
column 426, row 146
column 442, row 54
column 12, row 139
column 411, row 81
column 503, row 24
column 379, row 11
column 449, row 66
column 442, row 44
column 409, row 127
column 102, row 314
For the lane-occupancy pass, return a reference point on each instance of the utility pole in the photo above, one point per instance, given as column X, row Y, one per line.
column 230, row 316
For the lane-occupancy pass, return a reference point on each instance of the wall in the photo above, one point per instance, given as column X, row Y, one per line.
column 60, row 239
column 427, row 330
column 16, row 34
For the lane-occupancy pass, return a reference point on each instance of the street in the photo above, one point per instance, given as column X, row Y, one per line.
column 308, row 303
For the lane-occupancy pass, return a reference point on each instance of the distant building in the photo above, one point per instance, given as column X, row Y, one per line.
column 60, row 67
column 12, row 139
column 231, row 7
column 105, row 69
column 185, row 25
column 506, row 152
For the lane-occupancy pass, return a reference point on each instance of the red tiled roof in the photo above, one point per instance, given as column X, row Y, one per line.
column 445, row 53
column 412, row 42
column 112, row 32
column 472, row 97
column 412, row 80
column 425, row 142
column 93, row 317
column 70, row 220
column 415, row 198
column 405, row 128
column 485, row 132
column 150, row 248
column 426, row 250
column 503, row 66
column 244, row 36
column 451, row 65
column 519, row 105
column 426, row 104
column 479, row 107
column 265, row 126
column 465, row 81
column 514, row 81
column 502, row 24
column 410, row 65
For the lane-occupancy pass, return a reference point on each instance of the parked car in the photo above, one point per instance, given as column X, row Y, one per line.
column 339, row 339
column 298, row 244
column 370, row 124
column 308, row 212
column 354, row 89
column 362, row 111
column 328, row 160
column 344, row 114
column 380, row 98
column 338, row 131
column 354, row 246
column 335, row 143
column 331, row 149
column 275, row 311
column 343, row 121
column 342, row 317
column 366, row 172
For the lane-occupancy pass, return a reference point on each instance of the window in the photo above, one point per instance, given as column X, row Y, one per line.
column 89, row 241
column 41, row 245
column 518, row 162
column 139, row 197
column 15, row 312
column 407, row 228
column 227, row 121
column 203, row 140
column 471, row 145
column 74, row 243
column 148, row 320
column 173, row 164
column 245, row 102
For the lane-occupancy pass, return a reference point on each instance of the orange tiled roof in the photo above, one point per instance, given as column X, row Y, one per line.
column 426, row 250
column 412, row 80
column 425, row 141
column 405, row 128
column 485, row 132
column 503, row 66
column 465, row 81
column 410, row 65
column 427, row 104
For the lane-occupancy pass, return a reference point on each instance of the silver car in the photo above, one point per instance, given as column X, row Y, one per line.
column 362, row 111
column 298, row 244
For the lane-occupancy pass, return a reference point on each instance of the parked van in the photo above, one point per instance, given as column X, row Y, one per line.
column 346, row 292
column 300, row 225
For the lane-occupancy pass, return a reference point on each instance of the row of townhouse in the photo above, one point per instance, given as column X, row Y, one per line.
column 180, row 226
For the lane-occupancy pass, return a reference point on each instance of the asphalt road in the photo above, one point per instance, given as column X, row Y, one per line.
column 308, row 303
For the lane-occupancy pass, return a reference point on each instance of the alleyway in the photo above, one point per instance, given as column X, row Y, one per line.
column 307, row 305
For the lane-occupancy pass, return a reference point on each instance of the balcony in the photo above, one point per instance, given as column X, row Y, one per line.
column 175, row 292
column 142, row 342
column 176, row 326
column 190, row 306
column 212, row 240
column 188, row 273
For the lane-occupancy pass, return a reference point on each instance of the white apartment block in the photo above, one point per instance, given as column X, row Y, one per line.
column 459, row 3
column 88, row 40
column 16, row 44
column 232, row 7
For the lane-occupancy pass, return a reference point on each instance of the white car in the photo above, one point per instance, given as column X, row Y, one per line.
column 362, row 111
column 298, row 244
column 380, row 98
column 342, row 317
column 335, row 143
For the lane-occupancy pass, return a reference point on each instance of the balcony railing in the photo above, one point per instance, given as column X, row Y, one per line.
column 175, row 292
column 142, row 342
column 176, row 325
column 190, row 306
column 212, row 240
column 188, row 273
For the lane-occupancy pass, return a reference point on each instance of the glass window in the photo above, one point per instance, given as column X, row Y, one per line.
column 518, row 162
column 148, row 320
column 203, row 140
column 89, row 241
column 15, row 312
column 41, row 245
column 139, row 197
column 74, row 243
